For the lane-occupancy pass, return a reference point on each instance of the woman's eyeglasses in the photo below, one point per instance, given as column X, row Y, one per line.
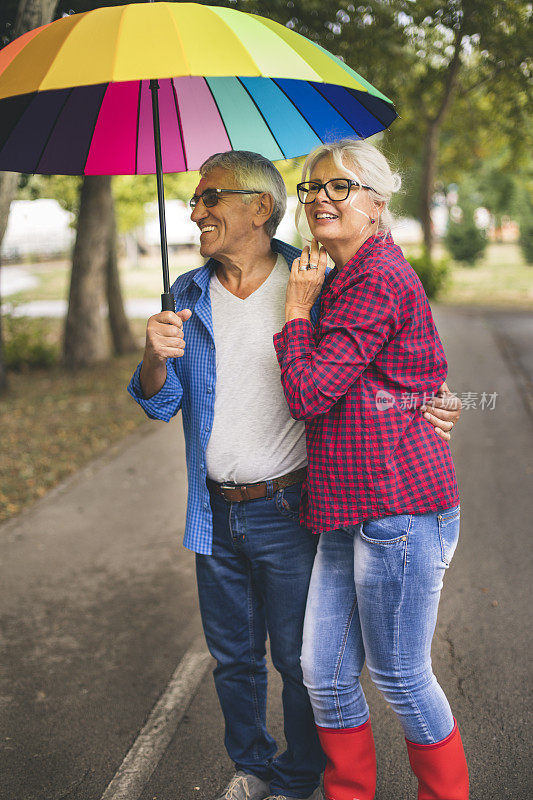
column 210, row 197
column 336, row 189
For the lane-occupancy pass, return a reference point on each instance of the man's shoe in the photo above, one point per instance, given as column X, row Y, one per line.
column 245, row 787
column 317, row 795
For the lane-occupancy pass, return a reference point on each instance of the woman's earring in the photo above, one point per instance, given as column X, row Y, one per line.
column 372, row 221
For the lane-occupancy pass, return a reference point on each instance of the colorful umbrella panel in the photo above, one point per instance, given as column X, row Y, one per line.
column 107, row 129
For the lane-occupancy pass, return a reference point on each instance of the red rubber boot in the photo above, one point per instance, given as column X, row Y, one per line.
column 350, row 773
column 440, row 768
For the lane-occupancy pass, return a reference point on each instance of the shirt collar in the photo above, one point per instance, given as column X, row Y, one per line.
column 203, row 275
column 336, row 279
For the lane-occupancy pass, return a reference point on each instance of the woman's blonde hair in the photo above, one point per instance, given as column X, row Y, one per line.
column 366, row 164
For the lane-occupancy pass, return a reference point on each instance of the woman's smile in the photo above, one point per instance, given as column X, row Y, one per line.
column 322, row 216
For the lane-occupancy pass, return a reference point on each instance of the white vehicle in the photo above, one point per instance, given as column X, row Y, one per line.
column 181, row 232
column 37, row 228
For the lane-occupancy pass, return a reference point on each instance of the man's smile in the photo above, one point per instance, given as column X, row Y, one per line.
column 206, row 229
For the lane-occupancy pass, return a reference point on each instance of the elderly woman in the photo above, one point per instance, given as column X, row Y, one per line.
column 380, row 487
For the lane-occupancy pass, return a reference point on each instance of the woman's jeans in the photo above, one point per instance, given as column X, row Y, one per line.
column 374, row 594
column 256, row 581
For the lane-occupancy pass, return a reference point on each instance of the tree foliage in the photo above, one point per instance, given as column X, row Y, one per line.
column 16, row 17
column 465, row 241
column 458, row 72
column 433, row 274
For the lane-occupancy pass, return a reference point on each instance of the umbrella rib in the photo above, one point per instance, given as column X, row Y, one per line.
column 359, row 100
column 180, row 127
column 117, row 41
column 94, row 128
column 178, row 34
column 137, row 130
column 336, row 109
column 219, row 112
column 235, row 35
column 262, row 115
column 52, row 129
column 298, row 110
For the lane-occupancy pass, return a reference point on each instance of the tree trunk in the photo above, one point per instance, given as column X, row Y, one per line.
column 4, row 383
column 121, row 335
column 30, row 14
column 8, row 187
column 85, row 340
column 429, row 169
column 431, row 141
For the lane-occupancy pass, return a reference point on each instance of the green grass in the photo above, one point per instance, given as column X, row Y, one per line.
column 54, row 421
column 139, row 281
column 500, row 279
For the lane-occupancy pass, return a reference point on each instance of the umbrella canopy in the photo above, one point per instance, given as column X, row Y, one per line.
column 75, row 94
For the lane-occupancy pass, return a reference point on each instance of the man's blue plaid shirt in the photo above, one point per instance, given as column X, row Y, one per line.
column 190, row 385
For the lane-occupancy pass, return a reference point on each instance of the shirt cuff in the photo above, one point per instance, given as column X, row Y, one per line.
column 296, row 339
column 166, row 402
column 280, row 343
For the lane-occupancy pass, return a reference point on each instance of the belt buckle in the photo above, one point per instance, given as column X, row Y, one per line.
column 243, row 488
column 224, row 486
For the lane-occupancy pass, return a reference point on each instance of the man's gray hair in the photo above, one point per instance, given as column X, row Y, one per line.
column 252, row 171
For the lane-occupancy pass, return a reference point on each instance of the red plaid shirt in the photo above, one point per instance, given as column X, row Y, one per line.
column 357, row 380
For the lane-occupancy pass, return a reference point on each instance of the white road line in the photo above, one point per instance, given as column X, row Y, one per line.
column 154, row 738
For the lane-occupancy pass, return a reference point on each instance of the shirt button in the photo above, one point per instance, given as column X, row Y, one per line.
column 205, row 505
column 209, row 390
column 212, row 347
column 206, row 428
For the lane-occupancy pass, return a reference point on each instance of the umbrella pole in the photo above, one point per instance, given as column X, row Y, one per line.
column 167, row 299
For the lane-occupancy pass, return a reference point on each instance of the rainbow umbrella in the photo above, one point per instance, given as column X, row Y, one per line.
column 158, row 87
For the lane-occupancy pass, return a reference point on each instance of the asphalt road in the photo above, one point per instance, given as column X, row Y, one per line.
column 98, row 605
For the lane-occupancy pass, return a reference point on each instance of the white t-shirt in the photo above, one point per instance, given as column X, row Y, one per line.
column 254, row 437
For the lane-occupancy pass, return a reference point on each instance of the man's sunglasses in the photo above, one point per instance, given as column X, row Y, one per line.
column 336, row 189
column 210, row 197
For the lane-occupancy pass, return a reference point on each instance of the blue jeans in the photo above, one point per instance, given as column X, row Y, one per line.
column 254, row 583
column 374, row 594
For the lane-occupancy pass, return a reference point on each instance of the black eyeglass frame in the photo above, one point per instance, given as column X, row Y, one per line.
column 324, row 186
column 193, row 202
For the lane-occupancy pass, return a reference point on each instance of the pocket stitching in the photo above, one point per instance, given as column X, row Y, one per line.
column 443, row 524
column 443, row 520
column 382, row 542
column 285, row 511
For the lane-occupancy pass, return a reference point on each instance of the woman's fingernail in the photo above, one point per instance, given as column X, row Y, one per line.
column 423, row 408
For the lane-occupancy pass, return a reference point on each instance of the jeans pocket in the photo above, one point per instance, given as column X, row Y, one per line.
column 288, row 501
column 449, row 523
column 387, row 530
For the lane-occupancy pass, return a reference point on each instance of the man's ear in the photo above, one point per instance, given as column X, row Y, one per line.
column 264, row 207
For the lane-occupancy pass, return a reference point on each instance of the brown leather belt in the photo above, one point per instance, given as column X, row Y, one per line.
column 253, row 491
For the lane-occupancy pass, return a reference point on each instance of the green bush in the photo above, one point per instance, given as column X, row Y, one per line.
column 433, row 274
column 464, row 240
column 26, row 344
column 526, row 239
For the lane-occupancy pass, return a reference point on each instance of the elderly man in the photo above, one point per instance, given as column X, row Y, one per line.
column 246, row 460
